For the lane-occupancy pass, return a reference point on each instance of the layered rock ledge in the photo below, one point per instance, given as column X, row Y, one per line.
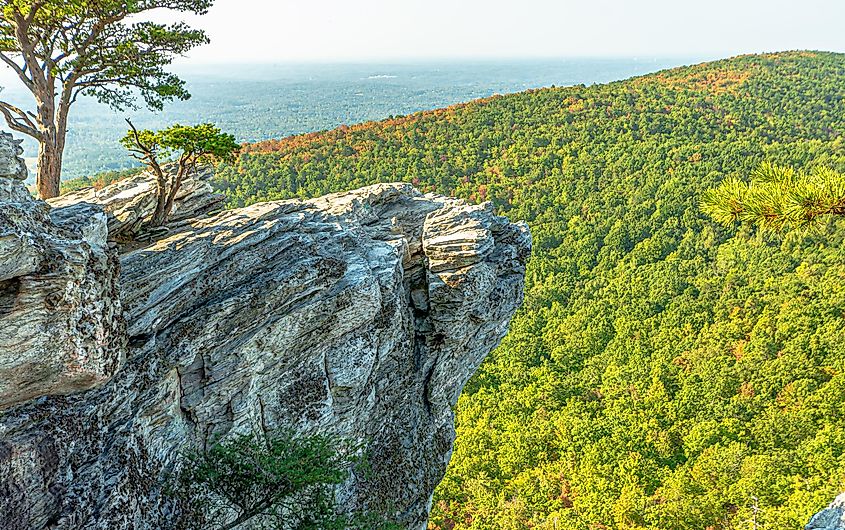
column 61, row 322
column 361, row 314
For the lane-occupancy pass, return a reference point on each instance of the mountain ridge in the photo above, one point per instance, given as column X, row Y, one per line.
column 273, row 144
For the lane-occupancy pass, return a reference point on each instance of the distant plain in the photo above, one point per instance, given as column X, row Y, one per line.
column 259, row 102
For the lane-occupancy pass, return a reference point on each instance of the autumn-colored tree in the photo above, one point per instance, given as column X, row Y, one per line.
column 61, row 49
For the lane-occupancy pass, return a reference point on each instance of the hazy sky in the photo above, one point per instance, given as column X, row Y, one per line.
column 331, row 30
column 258, row 31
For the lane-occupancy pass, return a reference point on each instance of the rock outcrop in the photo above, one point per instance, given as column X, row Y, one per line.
column 61, row 323
column 360, row 314
column 831, row 518
column 130, row 201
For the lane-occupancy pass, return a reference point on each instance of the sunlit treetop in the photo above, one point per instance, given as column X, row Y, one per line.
column 94, row 45
column 193, row 142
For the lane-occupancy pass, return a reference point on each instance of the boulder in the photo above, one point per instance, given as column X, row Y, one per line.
column 131, row 201
column 831, row 518
column 61, row 321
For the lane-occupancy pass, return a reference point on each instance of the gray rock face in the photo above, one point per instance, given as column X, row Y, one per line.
column 360, row 314
column 12, row 170
column 831, row 518
column 61, row 323
column 130, row 201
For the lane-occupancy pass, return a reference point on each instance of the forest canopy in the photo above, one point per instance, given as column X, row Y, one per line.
column 664, row 372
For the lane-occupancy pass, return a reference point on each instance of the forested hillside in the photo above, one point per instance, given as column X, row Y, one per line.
column 664, row 372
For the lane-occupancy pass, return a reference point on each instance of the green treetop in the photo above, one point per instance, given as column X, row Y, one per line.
column 61, row 49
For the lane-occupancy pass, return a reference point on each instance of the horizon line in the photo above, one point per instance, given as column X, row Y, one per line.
column 711, row 55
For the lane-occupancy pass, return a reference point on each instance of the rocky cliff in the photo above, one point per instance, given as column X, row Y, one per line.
column 360, row 314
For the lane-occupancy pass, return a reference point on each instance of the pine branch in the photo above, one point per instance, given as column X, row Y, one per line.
column 778, row 199
column 18, row 120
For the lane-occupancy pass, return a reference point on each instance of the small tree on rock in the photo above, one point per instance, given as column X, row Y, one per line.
column 61, row 49
column 186, row 146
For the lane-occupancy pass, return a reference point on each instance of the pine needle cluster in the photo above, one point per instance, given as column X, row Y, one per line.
column 778, row 198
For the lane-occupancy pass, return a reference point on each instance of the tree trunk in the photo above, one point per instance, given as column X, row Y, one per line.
column 48, row 179
column 171, row 197
column 159, row 215
column 53, row 128
column 165, row 201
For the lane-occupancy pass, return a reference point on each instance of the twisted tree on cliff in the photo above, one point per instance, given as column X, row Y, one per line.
column 190, row 145
column 61, row 49
column 778, row 198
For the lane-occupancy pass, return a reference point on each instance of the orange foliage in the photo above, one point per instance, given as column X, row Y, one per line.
column 715, row 82
column 738, row 350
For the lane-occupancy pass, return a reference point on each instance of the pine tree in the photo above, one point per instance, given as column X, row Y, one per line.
column 62, row 49
column 190, row 145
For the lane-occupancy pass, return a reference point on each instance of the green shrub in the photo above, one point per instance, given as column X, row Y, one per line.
column 278, row 480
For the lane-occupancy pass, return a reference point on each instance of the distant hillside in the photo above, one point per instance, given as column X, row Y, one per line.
column 663, row 373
